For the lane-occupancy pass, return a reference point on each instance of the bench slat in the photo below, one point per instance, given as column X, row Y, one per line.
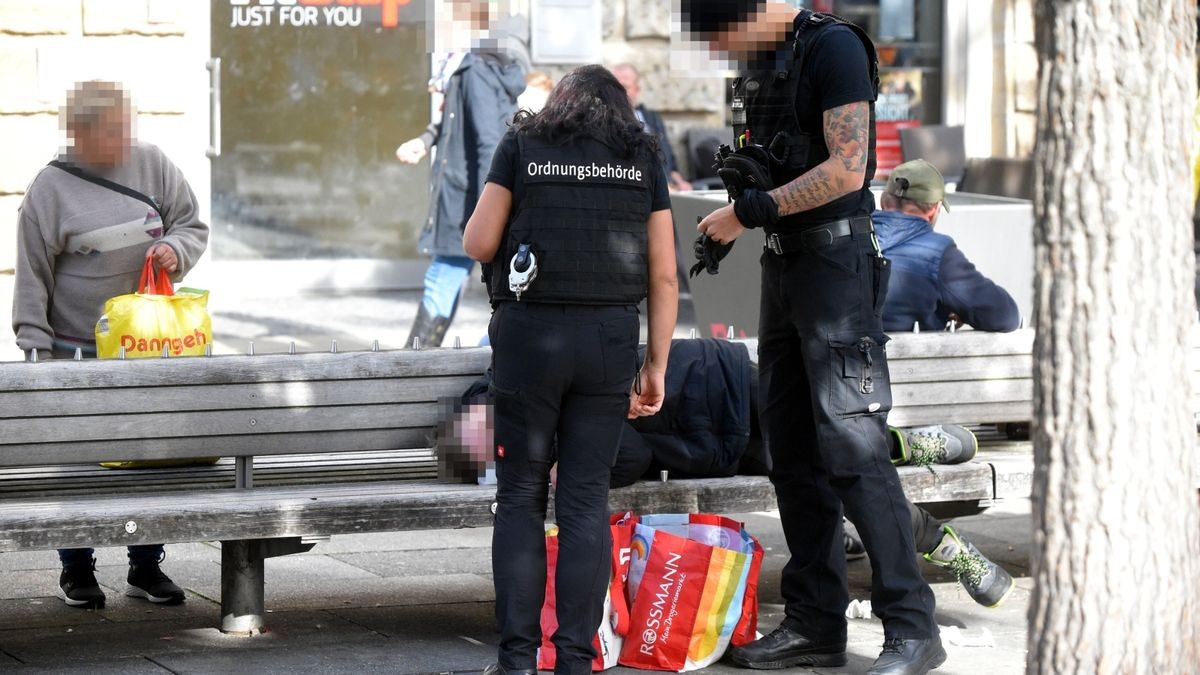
column 54, row 375
column 971, row 413
column 318, row 510
column 171, row 425
column 91, row 452
column 960, row 368
column 247, row 396
column 989, row 392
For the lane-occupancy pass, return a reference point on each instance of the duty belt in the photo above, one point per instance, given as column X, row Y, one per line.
column 819, row 236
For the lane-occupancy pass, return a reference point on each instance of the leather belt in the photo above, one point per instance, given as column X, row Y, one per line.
column 819, row 236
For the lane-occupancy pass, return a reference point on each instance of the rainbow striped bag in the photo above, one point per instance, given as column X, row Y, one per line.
column 693, row 591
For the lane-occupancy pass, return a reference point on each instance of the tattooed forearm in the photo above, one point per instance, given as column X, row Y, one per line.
column 809, row 191
column 847, row 130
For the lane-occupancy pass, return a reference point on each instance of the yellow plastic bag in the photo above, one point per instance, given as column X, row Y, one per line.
column 145, row 323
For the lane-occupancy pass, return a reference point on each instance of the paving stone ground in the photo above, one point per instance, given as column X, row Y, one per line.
column 418, row 602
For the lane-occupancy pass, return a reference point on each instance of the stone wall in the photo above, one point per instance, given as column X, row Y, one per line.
column 638, row 32
column 1021, row 66
column 47, row 45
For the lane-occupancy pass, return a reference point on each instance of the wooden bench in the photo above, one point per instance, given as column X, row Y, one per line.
column 324, row 444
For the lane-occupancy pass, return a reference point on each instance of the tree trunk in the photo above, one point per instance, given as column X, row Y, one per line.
column 1116, row 559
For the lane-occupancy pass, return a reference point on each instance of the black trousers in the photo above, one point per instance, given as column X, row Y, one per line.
column 565, row 371
column 825, row 394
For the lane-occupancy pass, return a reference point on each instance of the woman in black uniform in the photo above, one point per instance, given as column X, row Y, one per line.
column 575, row 222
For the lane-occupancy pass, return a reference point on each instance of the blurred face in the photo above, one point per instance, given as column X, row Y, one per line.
column 629, row 80
column 473, row 13
column 106, row 142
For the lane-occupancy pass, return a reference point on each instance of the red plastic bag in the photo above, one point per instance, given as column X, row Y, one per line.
column 693, row 586
column 615, row 625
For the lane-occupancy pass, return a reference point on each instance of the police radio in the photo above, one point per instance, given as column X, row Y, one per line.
column 522, row 270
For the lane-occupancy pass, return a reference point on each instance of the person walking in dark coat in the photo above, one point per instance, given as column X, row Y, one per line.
column 480, row 89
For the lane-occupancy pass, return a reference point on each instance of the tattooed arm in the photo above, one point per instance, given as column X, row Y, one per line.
column 847, row 130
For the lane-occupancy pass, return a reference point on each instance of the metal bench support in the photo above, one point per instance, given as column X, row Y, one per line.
column 242, row 580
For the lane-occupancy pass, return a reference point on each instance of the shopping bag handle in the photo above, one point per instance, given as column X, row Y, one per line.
column 154, row 284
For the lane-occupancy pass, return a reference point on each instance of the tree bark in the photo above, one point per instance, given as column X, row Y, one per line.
column 1116, row 558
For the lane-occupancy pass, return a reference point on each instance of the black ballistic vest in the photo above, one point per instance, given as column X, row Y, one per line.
column 584, row 213
column 765, row 103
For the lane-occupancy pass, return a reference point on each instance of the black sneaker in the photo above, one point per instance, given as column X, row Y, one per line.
column 78, row 587
column 908, row 657
column 854, row 548
column 785, row 648
column 148, row 581
column 986, row 582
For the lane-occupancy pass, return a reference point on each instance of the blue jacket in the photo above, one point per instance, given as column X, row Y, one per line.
column 932, row 278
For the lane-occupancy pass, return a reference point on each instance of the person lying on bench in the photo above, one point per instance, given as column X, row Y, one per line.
column 707, row 428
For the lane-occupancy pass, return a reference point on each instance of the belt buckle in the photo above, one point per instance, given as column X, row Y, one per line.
column 773, row 244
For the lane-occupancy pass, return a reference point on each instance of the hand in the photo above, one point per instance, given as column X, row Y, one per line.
column 164, row 257
column 721, row 225
column 680, row 183
column 411, row 152
column 652, row 384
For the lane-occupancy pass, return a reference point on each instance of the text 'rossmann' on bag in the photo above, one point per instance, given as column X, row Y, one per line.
column 155, row 345
column 585, row 171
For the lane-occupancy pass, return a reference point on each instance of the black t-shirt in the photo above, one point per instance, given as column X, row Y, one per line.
column 506, row 167
column 839, row 73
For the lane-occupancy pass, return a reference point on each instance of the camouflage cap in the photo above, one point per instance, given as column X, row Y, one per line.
column 919, row 181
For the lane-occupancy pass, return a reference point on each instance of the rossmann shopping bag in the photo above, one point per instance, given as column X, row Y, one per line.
column 147, row 321
column 693, row 585
column 153, row 318
column 615, row 624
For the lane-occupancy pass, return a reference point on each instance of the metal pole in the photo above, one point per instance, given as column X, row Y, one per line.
column 242, row 581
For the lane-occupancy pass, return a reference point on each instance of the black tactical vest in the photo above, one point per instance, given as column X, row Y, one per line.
column 584, row 213
column 764, row 102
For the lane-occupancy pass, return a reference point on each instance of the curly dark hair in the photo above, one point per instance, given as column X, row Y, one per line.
column 589, row 102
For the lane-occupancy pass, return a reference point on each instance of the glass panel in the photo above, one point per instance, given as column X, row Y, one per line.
column 314, row 102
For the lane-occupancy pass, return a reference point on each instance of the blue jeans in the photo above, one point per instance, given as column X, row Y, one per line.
column 443, row 284
column 138, row 555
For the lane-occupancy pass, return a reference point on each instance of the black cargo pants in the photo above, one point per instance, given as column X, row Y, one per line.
column 825, row 394
column 565, row 371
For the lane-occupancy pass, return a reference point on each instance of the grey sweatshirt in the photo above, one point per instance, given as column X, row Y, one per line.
column 79, row 244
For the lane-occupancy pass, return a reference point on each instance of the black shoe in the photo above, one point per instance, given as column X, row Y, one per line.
column 908, row 657
column 78, row 587
column 148, row 581
column 854, row 547
column 497, row 669
column 785, row 648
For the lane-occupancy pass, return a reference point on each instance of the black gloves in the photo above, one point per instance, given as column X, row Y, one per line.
column 710, row 254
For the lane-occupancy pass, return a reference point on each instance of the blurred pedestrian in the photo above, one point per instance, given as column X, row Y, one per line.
column 479, row 87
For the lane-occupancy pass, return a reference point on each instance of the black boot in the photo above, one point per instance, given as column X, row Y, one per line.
column 430, row 329
column 497, row 669
column 908, row 657
column 785, row 648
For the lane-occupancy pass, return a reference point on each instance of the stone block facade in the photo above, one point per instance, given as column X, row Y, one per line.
column 47, row 45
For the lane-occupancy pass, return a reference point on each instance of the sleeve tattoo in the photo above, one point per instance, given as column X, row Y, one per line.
column 847, row 130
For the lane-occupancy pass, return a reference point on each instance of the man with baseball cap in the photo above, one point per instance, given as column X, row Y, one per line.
column 932, row 281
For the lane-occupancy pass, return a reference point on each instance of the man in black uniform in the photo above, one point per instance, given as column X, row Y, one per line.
column 807, row 97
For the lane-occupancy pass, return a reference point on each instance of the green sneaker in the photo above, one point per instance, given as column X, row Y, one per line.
column 986, row 582
column 941, row 444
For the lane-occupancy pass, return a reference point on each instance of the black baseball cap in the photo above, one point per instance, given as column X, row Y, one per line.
column 703, row 18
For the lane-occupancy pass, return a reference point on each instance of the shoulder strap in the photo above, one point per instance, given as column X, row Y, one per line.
column 115, row 187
